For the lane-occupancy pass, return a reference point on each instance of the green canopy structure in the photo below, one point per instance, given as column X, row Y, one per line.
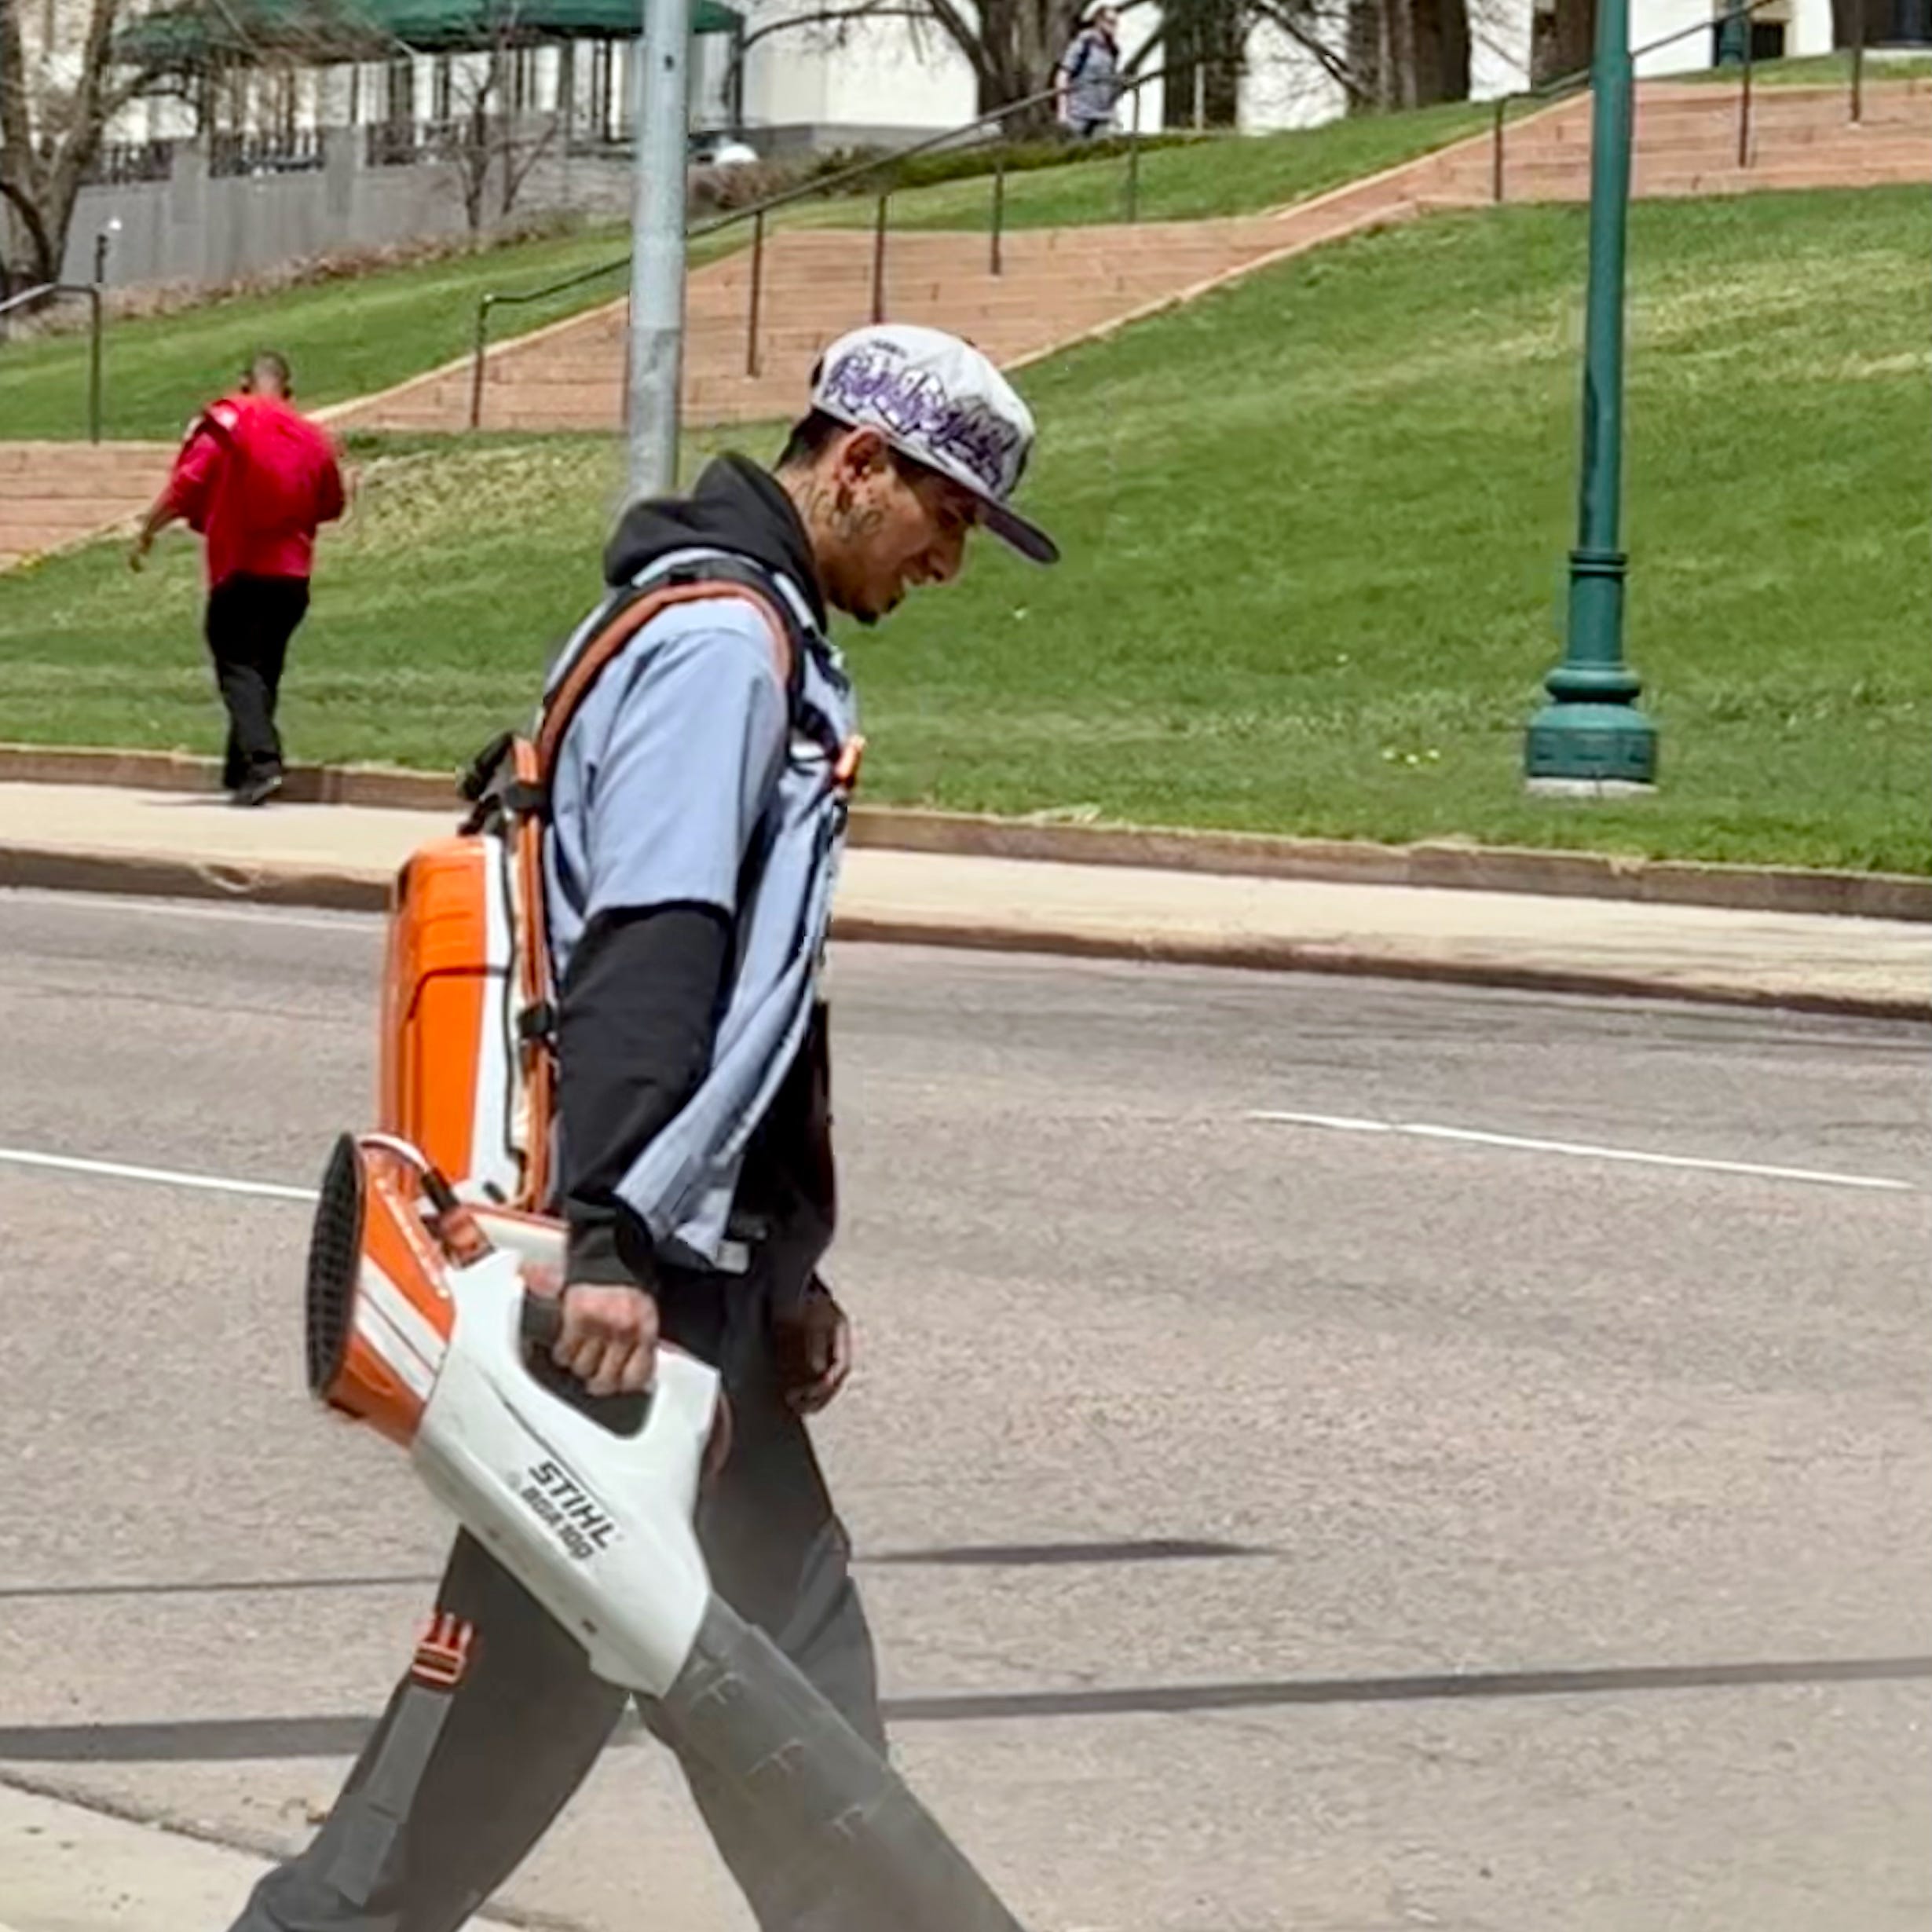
column 203, row 33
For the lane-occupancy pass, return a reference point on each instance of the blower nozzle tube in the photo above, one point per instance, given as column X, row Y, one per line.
column 742, row 1707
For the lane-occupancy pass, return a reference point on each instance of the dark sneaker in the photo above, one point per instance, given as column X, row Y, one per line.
column 259, row 790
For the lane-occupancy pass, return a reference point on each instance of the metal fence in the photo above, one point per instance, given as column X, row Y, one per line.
column 120, row 163
column 293, row 150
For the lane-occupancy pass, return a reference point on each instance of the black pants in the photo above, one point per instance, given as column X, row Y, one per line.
column 455, row 1788
column 250, row 622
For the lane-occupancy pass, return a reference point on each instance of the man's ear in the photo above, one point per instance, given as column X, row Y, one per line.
column 863, row 453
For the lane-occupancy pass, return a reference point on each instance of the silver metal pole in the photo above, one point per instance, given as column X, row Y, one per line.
column 657, row 245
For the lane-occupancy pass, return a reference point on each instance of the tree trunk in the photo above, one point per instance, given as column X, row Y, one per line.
column 1572, row 40
column 1201, row 52
column 1879, row 20
column 42, row 267
column 1453, row 29
column 27, row 232
column 43, row 173
column 1359, row 51
column 1441, row 50
column 1014, row 47
column 1406, row 86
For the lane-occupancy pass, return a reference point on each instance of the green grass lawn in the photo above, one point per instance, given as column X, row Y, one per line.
column 345, row 338
column 1819, row 70
column 350, row 338
column 1231, row 175
column 1315, row 528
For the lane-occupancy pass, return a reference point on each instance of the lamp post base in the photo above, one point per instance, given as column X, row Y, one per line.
column 1587, row 788
column 1590, row 746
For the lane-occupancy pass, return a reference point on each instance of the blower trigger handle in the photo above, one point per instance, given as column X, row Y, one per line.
column 542, row 1320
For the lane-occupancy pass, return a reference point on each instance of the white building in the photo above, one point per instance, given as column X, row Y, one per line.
column 884, row 77
column 884, row 81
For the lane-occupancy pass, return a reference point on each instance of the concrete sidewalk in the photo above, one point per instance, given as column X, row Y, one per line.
column 195, row 845
column 68, row 1867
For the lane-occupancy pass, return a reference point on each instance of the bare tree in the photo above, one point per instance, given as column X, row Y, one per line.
column 62, row 88
column 490, row 139
column 1381, row 53
column 1566, row 46
column 55, row 112
column 1012, row 45
column 1323, row 30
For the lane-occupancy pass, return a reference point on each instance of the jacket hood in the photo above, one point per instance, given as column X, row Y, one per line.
column 736, row 507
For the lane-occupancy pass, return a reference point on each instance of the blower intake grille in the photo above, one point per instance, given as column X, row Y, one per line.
column 334, row 1258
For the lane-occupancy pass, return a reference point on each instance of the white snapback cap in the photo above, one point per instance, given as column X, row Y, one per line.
column 939, row 401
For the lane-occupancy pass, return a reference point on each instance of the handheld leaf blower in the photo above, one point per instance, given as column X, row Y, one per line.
column 419, row 1323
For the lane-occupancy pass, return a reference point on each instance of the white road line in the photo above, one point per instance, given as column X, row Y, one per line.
column 166, row 1176
column 170, row 909
column 1580, row 1150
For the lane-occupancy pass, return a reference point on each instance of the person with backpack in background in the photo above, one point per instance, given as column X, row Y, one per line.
column 1087, row 82
column 255, row 480
column 688, row 782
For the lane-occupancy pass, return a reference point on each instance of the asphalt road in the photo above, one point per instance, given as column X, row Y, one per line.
column 1267, row 1524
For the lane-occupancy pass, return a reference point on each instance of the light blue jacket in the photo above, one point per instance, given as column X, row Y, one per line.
column 690, row 775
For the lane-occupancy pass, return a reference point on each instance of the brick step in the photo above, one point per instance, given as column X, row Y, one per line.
column 803, row 340
column 780, row 385
column 972, row 252
column 1100, row 270
column 1719, row 181
column 1153, row 235
column 975, row 257
column 1774, row 104
column 97, row 462
column 71, row 513
column 53, row 494
column 1792, row 140
column 774, row 359
column 1906, row 163
column 1019, row 293
column 51, row 483
column 774, row 400
column 1839, row 142
column 25, row 539
column 1794, row 103
column 1901, row 173
column 1715, row 103
column 964, row 306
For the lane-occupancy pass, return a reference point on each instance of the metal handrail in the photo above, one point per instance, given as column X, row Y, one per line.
column 757, row 212
column 42, row 292
column 1566, row 84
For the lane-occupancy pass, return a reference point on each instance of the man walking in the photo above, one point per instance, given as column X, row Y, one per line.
column 695, row 820
column 256, row 480
column 1086, row 81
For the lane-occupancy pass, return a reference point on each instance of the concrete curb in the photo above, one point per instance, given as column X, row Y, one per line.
column 147, row 876
column 1452, row 865
column 1448, row 866
column 384, row 786
column 142, row 875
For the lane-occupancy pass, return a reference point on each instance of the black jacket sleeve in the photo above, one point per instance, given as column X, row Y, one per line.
column 639, row 1012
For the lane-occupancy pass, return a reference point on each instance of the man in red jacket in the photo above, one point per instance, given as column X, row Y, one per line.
column 256, row 480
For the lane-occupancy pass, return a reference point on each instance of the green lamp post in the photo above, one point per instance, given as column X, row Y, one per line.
column 1590, row 736
column 1732, row 35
